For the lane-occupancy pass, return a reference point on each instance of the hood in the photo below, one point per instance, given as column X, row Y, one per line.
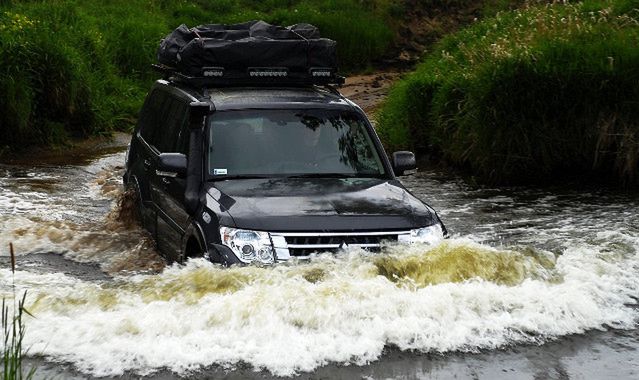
column 319, row 204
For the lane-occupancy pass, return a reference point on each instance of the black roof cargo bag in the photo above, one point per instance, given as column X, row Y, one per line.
column 237, row 48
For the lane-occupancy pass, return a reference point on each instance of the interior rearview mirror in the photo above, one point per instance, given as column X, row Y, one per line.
column 402, row 161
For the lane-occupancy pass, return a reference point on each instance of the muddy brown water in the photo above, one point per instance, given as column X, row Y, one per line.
column 534, row 283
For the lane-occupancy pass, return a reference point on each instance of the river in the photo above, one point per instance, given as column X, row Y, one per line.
column 533, row 283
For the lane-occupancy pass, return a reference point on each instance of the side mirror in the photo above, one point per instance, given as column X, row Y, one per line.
column 402, row 161
column 171, row 165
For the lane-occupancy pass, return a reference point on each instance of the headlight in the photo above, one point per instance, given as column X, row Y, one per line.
column 429, row 235
column 247, row 245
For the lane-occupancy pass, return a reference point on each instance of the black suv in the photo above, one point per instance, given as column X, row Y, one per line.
column 263, row 174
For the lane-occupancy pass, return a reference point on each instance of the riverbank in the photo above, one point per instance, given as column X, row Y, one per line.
column 74, row 152
column 540, row 94
column 71, row 70
column 75, row 69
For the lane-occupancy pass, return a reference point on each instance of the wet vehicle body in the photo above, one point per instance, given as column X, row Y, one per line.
column 244, row 174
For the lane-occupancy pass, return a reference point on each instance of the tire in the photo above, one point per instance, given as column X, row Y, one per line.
column 193, row 249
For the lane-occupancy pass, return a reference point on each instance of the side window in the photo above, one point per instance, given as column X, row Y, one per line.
column 173, row 118
column 185, row 134
column 151, row 117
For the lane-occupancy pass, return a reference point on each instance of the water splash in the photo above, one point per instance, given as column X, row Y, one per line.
column 343, row 309
column 82, row 214
column 457, row 262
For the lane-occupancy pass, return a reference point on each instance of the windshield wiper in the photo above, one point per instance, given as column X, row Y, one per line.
column 324, row 175
column 239, row 176
column 306, row 175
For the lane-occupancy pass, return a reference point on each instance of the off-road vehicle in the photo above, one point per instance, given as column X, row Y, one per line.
column 264, row 163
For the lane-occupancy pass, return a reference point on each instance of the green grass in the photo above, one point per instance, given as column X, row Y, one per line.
column 72, row 68
column 538, row 94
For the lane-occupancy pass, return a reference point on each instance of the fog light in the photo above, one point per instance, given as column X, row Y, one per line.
column 265, row 255
column 428, row 235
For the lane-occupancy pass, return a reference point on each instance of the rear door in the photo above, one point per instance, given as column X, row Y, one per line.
column 148, row 134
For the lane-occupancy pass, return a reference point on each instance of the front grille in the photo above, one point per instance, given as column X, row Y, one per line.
column 304, row 244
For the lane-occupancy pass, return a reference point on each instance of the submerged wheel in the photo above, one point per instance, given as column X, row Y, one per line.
column 193, row 249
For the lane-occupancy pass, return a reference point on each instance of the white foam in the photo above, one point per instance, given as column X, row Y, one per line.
column 275, row 319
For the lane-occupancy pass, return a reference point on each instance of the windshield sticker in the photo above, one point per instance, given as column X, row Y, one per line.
column 219, row 171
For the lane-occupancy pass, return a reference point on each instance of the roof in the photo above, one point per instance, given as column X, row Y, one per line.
column 264, row 97
column 273, row 97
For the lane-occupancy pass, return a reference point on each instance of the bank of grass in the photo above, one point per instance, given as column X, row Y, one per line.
column 73, row 68
column 538, row 94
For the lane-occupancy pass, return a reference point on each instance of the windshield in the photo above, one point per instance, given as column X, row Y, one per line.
column 291, row 143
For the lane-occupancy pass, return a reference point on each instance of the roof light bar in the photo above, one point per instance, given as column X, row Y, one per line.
column 219, row 76
column 272, row 72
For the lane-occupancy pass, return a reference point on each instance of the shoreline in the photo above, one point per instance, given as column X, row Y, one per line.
column 77, row 152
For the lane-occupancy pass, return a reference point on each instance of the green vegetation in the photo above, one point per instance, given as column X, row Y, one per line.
column 13, row 333
column 73, row 68
column 529, row 95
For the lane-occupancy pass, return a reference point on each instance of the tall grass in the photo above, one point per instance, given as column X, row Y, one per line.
column 13, row 330
column 75, row 68
column 539, row 94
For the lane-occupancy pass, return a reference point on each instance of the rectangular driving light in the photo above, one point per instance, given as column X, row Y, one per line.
column 213, row 72
column 320, row 72
column 271, row 72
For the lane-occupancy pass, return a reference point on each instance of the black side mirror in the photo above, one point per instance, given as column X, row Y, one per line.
column 171, row 165
column 402, row 161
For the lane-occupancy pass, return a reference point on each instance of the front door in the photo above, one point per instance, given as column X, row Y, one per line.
column 167, row 191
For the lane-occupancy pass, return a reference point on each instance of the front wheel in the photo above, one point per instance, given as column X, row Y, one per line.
column 193, row 249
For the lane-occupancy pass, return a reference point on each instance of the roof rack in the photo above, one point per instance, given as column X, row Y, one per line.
column 253, row 76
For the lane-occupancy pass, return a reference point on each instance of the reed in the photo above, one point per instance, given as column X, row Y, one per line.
column 13, row 331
